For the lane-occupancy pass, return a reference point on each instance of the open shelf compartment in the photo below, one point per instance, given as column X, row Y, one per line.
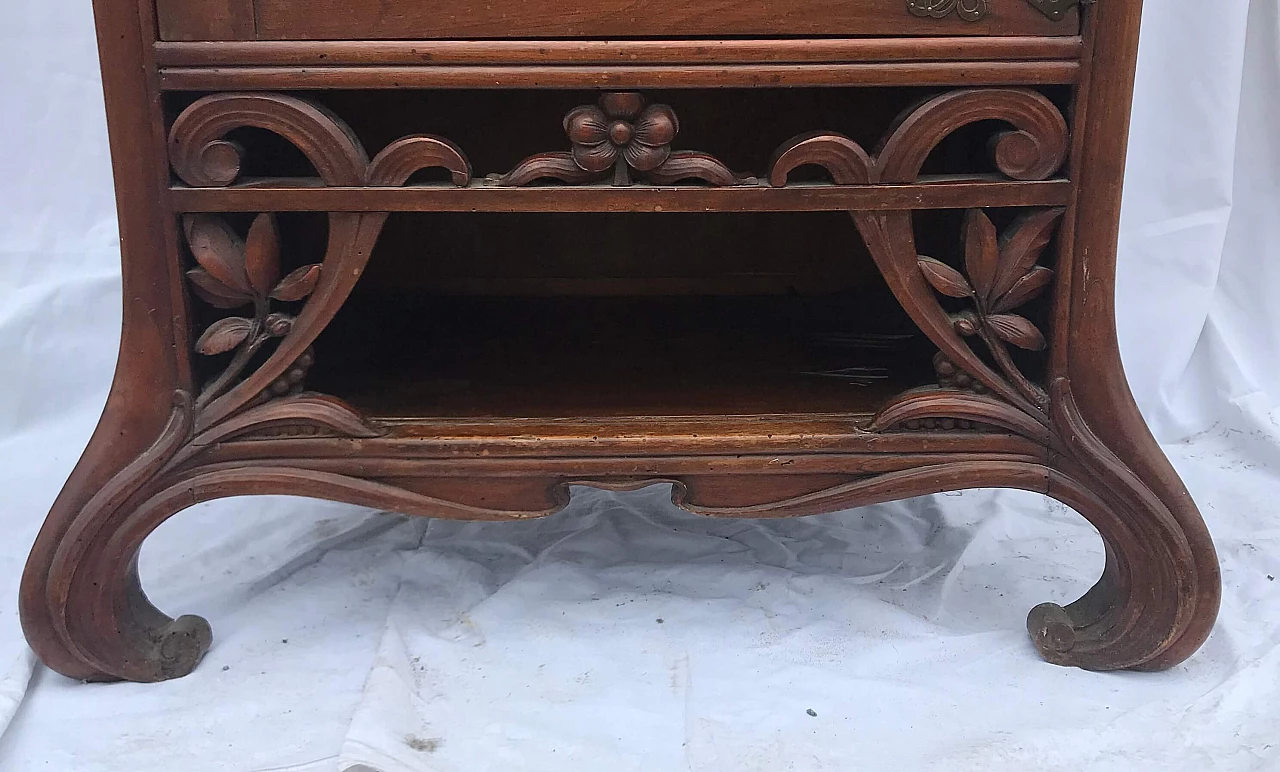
column 595, row 316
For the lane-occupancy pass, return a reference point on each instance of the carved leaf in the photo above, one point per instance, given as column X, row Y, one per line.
column 262, row 254
column 297, row 285
column 944, row 278
column 218, row 250
column 214, row 292
column 1026, row 289
column 1017, row 330
column 1023, row 244
column 553, row 166
column 690, row 165
column 981, row 252
column 224, row 335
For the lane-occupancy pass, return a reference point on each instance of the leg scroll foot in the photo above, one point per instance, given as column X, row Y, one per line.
column 1159, row 594
column 82, row 605
column 1053, row 632
column 182, row 645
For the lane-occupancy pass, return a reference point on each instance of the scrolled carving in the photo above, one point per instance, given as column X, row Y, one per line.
column 689, row 165
column 151, row 646
column 930, row 409
column 202, row 156
column 969, row 10
column 235, row 274
column 844, row 159
column 547, row 166
column 401, row 159
column 232, row 273
column 623, row 135
column 1034, row 150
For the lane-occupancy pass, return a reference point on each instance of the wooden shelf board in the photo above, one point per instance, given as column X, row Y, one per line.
column 483, row 197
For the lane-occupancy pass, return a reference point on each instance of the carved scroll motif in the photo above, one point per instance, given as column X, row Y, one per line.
column 969, row 10
column 622, row 136
column 234, row 274
column 1000, row 274
column 202, row 156
column 1034, row 149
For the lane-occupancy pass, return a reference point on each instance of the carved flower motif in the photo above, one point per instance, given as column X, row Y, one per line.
column 621, row 133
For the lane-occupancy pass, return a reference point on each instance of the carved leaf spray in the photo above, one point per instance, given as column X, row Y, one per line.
column 235, row 274
column 1003, row 276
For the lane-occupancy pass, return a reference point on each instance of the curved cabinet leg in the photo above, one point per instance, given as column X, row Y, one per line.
column 1158, row 598
column 1159, row 594
column 83, row 609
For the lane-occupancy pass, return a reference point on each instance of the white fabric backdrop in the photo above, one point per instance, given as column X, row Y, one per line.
column 352, row 640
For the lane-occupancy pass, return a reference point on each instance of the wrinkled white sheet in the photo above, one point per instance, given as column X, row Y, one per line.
column 349, row 639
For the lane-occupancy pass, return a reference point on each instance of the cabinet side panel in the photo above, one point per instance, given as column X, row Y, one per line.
column 185, row 20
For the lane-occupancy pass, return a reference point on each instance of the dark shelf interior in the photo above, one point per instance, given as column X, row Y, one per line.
column 583, row 316
column 436, row 356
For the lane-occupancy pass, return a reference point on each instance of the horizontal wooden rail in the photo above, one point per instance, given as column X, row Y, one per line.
column 949, row 73
column 634, row 52
column 481, row 197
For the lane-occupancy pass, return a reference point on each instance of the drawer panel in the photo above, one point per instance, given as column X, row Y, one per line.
column 464, row 19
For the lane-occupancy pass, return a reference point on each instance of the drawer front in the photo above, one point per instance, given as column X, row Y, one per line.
column 461, row 19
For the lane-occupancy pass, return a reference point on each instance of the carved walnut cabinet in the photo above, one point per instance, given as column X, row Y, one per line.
column 451, row 257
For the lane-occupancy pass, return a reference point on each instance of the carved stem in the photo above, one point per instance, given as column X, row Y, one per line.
column 1000, row 353
column 244, row 355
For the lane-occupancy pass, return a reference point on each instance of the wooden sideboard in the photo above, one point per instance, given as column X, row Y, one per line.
column 450, row 258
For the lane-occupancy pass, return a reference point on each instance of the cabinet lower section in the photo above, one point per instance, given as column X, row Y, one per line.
column 781, row 301
column 86, row 614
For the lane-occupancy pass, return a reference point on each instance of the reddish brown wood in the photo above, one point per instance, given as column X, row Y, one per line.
column 624, row 135
column 265, row 352
column 1034, row 150
column 930, row 193
column 335, row 19
column 206, row 20
column 946, row 73
column 605, row 52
